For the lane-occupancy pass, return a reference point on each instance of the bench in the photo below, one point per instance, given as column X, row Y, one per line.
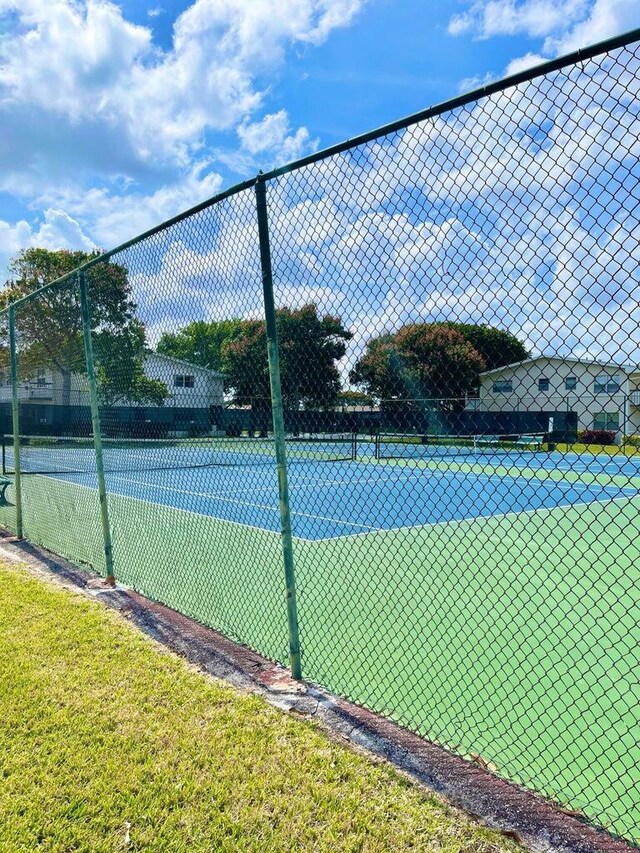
column 513, row 440
column 530, row 441
column 4, row 482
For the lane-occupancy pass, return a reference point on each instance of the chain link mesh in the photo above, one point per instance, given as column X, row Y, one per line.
column 479, row 572
column 184, row 470
column 52, row 393
column 457, row 308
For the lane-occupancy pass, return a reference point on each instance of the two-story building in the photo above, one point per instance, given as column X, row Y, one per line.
column 195, row 397
column 188, row 385
column 604, row 395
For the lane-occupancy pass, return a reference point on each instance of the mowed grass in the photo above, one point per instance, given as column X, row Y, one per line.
column 110, row 743
column 595, row 449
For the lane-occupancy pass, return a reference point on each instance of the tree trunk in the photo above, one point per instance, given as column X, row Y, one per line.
column 66, row 387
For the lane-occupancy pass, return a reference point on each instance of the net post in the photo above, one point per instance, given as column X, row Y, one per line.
column 15, row 410
column 278, row 427
column 95, row 424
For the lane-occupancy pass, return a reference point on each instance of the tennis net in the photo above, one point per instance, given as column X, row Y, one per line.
column 72, row 454
column 420, row 446
column 327, row 447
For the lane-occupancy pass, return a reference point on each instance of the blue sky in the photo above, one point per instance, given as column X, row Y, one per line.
column 111, row 125
column 116, row 117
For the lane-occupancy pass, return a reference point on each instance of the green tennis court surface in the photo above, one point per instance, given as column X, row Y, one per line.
column 509, row 635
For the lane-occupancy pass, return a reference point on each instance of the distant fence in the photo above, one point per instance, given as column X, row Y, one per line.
column 451, row 568
column 157, row 421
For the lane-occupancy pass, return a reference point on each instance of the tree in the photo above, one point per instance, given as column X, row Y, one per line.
column 120, row 371
column 201, row 342
column 50, row 327
column 496, row 346
column 420, row 361
column 309, row 345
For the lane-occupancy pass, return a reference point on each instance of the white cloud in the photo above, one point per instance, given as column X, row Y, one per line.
column 488, row 18
column 106, row 126
column 272, row 134
column 523, row 63
column 116, row 217
column 82, row 61
column 56, row 230
column 60, row 231
column 66, row 58
column 564, row 26
column 467, row 84
column 519, row 211
column 606, row 18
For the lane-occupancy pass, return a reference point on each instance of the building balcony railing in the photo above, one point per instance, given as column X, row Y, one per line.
column 27, row 391
column 40, row 392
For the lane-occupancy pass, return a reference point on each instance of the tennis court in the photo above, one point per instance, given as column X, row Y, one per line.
column 330, row 496
column 513, row 569
column 493, row 584
column 497, row 578
column 503, row 453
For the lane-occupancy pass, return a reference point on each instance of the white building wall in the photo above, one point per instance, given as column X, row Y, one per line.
column 187, row 384
column 587, row 388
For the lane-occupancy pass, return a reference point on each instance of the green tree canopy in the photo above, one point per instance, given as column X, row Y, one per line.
column 120, row 373
column 49, row 327
column 496, row 346
column 201, row 342
column 420, row 361
column 310, row 346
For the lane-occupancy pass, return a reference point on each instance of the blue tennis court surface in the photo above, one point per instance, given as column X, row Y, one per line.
column 600, row 463
column 330, row 500
column 580, row 463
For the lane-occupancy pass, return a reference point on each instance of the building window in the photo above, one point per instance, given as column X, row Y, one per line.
column 571, row 383
column 41, row 377
column 606, row 420
column 502, row 386
column 181, row 380
column 543, row 384
column 606, row 385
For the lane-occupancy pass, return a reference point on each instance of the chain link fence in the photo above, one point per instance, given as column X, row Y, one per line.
column 400, row 381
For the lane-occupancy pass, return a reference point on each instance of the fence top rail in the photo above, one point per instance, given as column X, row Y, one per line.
column 472, row 96
column 105, row 256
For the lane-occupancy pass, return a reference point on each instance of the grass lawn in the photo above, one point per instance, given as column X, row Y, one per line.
column 608, row 449
column 110, row 743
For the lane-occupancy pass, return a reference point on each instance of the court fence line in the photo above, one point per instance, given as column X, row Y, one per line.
column 421, row 336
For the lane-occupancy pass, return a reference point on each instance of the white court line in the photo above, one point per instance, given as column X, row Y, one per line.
column 426, row 473
column 151, row 486
column 422, row 474
column 369, row 529
column 237, row 501
column 172, row 507
column 580, row 467
column 339, row 521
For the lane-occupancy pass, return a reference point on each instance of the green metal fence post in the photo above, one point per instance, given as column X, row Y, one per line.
column 16, row 420
column 95, row 423
column 278, row 427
